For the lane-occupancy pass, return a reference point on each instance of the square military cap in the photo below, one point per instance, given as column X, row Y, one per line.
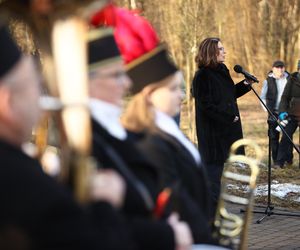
column 102, row 48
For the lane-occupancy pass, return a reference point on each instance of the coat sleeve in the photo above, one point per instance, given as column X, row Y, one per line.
column 57, row 222
column 131, row 232
column 111, row 225
column 151, row 234
column 189, row 209
column 206, row 100
column 241, row 89
column 159, row 155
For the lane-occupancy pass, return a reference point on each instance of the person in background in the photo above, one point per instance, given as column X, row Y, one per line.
column 271, row 94
column 36, row 212
column 218, row 123
column 108, row 83
column 288, row 108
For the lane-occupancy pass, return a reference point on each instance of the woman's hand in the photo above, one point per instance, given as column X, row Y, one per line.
column 182, row 232
column 107, row 185
column 248, row 81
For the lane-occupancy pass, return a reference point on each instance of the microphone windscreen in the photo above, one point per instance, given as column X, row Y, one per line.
column 238, row 68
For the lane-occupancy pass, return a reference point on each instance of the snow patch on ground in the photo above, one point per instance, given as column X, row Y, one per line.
column 280, row 190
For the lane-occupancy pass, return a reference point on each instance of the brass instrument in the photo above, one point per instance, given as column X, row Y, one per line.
column 232, row 229
column 60, row 31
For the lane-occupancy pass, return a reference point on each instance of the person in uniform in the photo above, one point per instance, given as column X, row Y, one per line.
column 149, row 119
column 147, row 63
column 36, row 212
column 108, row 83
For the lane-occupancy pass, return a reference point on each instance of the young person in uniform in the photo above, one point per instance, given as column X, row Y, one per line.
column 108, row 83
column 150, row 69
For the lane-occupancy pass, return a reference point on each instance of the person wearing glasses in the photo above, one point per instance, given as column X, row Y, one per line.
column 271, row 94
column 112, row 148
column 36, row 211
column 218, row 123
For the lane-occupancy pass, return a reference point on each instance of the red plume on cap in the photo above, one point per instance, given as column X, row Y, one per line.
column 138, row 44
column 134, row 35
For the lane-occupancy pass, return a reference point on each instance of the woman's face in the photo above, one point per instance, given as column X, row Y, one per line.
column 168, row 98
column 221, row 53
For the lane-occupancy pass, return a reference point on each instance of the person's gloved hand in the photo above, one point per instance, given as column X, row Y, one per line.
column 283, row 115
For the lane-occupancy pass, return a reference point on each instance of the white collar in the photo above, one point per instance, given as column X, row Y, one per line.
column 169, row 126
column 284, row 76
column 108, row 116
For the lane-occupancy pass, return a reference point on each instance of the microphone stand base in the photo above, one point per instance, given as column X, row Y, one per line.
column 269, row 211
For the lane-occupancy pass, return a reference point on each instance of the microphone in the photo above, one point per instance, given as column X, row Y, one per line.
column 239, row 69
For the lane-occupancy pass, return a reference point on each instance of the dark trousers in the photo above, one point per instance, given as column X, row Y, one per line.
column 280, row 154
column 273, row 138
column 214, row 174
column 285, row 149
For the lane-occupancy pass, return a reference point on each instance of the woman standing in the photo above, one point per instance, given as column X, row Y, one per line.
column 218, row 122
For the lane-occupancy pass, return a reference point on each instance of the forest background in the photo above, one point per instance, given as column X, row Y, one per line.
column 254, row 33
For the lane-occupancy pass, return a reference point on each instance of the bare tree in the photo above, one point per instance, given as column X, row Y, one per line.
column 254, row 32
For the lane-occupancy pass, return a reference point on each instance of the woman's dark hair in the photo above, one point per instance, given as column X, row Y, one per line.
column 207, row 53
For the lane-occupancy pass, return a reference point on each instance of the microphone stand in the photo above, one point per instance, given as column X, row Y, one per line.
column 269, row 209
column 275, row 119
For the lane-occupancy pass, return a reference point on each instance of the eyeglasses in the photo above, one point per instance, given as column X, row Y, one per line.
column 118, row 76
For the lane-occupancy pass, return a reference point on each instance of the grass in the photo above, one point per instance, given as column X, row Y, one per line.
column 254, row 122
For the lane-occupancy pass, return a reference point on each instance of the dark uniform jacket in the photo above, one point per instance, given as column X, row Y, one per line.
column 181, row 173
column 216, row 107
column 37, row 213
column 150, row 233
column 290, row 99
